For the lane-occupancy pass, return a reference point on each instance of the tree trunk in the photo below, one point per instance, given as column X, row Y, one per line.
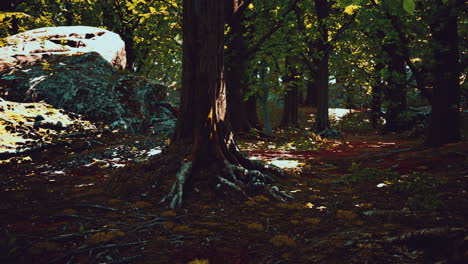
column 236, row 76
column 311, row 97
column 266, row 112
column 322, row 122
column 377, row 93
column 290, row 109
column 202, row 123
column 445, row 116
column 395, row 91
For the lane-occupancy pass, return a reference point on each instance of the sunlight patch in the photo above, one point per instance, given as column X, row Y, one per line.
column 286, row 164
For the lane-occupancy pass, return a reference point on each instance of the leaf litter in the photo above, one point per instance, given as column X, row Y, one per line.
column 57, row 209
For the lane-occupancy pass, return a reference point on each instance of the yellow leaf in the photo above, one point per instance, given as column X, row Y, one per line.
column 182, row 228
column 199, row 261
column 69, row 212
column 255, row 226
column 169, row 213
column 314, row 220
column 105, row 236
column 261, row 198
column 345, row 214
column 141, row 204
column 351, row 9
column 282, row 241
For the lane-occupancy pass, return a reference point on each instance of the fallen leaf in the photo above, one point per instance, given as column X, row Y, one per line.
column 255, row 226
column 105, row 236
column 314, row 220
column 346, row 214
column 282, row 241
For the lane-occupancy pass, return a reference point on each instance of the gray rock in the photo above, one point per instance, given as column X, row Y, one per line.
column 37, row 44
column 88, row 84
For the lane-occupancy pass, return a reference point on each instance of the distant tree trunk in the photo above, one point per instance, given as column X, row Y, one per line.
column 68, row 13
column 312, row 96
column 265, row 90
column 445, row 116
column 290, row 109
column 115, row 22
column 322, row 121
column 377, row 94
column 252, row 117
column 395, row 91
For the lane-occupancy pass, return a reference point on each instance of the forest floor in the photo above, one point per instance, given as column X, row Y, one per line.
column 364, row 198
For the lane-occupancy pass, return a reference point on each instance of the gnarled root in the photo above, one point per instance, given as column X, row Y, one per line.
column 177, row 190
column 234, row 177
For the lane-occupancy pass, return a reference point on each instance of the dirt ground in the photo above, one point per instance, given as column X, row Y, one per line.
column 365, row 198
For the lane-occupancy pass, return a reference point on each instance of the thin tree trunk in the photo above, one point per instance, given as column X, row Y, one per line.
column 266, row 112
column 377, row 94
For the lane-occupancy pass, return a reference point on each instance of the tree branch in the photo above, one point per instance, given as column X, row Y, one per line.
column 255, row 47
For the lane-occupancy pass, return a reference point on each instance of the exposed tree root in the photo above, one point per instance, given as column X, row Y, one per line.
column 177, row 189
column 231, row 177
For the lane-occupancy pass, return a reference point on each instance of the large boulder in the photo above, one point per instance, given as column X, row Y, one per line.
column 89, row 84
column 37, row 44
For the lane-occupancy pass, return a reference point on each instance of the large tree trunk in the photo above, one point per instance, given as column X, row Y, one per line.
column 202, row 122
column 445, row 116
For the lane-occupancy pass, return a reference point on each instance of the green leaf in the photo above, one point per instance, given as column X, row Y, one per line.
column 445, row 1
column 408, row 6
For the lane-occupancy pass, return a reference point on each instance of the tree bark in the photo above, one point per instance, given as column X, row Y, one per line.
column 203, row 123
column 236, row 75
column 377, row 94
column 395, row 91
column 445, row 116
column 322, row 122
column 290, row 109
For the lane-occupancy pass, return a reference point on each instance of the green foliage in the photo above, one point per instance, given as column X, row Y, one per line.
column 374, row 175
column 355, row 122
column 409, row 6
column 419, row 183
column 310, row 142
column 423, row 189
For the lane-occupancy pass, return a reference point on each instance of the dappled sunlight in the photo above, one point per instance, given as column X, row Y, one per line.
column 286, row 164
